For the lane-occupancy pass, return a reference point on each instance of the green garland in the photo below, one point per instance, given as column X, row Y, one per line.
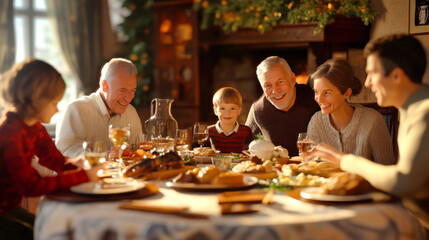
column 138, row 27
column 230, row 15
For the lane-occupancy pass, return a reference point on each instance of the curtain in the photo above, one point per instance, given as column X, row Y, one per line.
column 79, row 31
column 7, row 35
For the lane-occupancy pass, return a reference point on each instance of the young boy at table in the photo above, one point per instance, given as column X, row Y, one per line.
column 31, row 91
column 227, row 135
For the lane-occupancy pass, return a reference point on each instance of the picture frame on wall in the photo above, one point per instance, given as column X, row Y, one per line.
column 419, row 20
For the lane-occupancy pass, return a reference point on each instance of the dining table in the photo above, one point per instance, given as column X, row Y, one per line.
column 289, row 216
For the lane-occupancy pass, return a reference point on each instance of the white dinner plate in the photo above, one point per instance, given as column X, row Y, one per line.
column 313, row 193
column 247, row 182
column 96, row 189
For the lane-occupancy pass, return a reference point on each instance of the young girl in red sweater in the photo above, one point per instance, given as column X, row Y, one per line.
column 31, row 91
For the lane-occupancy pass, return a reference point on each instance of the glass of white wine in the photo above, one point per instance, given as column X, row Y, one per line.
column 94, row 153
column 304, row 144
column 201, row 133
column 182, row 139
column 119, row 135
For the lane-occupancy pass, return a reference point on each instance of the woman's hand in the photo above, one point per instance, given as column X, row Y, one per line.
column 327, row 152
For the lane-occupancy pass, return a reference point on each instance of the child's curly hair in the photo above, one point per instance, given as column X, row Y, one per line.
column 27, row 86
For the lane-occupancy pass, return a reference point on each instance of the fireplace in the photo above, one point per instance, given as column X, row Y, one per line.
column 231, row 59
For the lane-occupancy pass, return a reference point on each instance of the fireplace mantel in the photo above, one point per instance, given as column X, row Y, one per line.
column 342, row 30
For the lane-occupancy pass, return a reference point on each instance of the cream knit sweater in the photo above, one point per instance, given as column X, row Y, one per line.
column 366, row 135
column 87, row 119
column 409, row 178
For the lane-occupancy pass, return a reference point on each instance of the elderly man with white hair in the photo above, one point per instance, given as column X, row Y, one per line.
column 88, row 118
column 285, row 108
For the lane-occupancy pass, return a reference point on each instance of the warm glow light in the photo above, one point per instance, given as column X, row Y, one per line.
column 134, row 57
column 165, row 26
column 205, row 4
column 329, row 6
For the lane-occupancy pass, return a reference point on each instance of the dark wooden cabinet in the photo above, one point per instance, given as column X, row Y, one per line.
column 176, row 59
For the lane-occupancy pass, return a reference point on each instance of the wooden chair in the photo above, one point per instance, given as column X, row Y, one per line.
column 390, row 115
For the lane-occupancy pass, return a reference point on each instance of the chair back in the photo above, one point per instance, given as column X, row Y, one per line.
column 390, row 115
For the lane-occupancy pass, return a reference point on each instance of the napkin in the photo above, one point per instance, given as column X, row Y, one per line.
column 253, row 196
column 161, row 208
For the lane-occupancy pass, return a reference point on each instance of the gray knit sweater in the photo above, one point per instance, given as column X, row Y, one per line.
column 366, row 135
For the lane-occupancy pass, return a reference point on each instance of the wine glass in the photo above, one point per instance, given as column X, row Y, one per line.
column 201, row 133
column 119, row 135
column 304, row 144
column 94, row 153
column 182, row 141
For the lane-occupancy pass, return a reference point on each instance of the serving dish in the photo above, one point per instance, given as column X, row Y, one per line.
column 248, row 181
column 314, row 193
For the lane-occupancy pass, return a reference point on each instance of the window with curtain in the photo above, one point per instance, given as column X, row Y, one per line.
column 35, row 37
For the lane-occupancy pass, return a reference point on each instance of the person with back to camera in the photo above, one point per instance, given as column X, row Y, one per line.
column 351, row 128
column 227, row 135
column 88, row 118
column 31, row 90
column 285, row 109
column 395, row 68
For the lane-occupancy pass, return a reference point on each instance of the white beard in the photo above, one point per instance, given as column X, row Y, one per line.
column 289, row 99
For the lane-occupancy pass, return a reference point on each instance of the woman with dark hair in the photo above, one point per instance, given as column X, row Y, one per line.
column 350, row 128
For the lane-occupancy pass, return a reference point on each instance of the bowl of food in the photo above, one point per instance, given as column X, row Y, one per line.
column 222, row 161
column 262, row 154
column 261, row 148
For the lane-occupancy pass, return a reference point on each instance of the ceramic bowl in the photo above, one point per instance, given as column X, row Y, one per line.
column 262, row 154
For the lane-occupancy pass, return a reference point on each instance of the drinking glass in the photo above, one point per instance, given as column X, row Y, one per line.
column 182, row 139
column 119, row 135
column 163, row 144
column 201, row 133
column 94, row 153
column 304, row 144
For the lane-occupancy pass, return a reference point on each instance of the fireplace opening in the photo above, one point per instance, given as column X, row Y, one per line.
column 235, row 66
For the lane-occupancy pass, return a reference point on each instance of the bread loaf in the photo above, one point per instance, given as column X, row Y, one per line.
column 346, row 184
column 207, row 174
column 229, row 178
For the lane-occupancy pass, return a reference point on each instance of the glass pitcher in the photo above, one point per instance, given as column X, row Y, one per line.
column 161, row 126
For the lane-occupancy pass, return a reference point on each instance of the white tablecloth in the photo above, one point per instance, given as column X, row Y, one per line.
column 287, row 218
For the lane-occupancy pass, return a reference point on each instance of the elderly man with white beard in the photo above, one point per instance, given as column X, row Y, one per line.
column 285, row 108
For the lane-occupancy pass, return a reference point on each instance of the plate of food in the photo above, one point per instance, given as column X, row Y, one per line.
column 109, row 186
column 316, row 193
column 247, row 182
column 322, row 169
column 211, row 178
column 263, row 175
column 259, row 169
column 301, row 180
column 346, row 187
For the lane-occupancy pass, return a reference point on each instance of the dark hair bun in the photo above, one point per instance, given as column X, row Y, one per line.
column 356, row 86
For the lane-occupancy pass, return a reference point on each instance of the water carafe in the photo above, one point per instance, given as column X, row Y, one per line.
column 161, row 126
